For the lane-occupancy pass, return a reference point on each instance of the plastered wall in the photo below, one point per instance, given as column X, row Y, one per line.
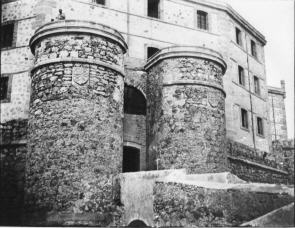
column 277, row 116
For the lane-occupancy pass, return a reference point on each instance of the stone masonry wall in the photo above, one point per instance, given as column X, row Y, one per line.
column 73, row 138
column 177, row 204
column 283, row 152
column 13, row 135
column 277, row 115
column 255, row 166
column 135, row 134
column 135, row 125
column 186, row 122
column 75, row 129
column 79, row 46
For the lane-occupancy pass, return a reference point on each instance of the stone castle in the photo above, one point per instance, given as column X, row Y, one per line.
column 133, row 112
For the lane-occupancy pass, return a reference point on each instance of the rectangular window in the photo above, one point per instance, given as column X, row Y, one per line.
column 4, row 88
column 256, row 85
column 151, row 51
column 244, row 118
column 253, row 49
column 238, row 36
column 153, row 8
column 7, row 35
column 202, row 19
column 241, row 76
column 260, row 126
column 100, row 2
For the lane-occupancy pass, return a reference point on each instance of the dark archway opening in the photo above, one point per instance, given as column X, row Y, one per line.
column 131, row 160
column 137, row 223
column 134, row 101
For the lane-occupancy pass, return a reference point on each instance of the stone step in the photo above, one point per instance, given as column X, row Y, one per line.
column 282, row 217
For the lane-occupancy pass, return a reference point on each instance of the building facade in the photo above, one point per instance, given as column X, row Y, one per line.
column 125, row 86
column 277, row 113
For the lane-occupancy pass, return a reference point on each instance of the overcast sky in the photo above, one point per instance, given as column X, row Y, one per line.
column 275, row 20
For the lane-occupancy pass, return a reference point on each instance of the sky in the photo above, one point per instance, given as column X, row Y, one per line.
column 275, row 20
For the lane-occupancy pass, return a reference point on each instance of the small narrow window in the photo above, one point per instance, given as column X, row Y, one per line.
column 7, row 35
column 238, row 36
column 202, row 19
column 260, row 126
column 256, row 85
column 244, row 117
column 151, row 51
column 253, row 49
column 153, row 8
column 100, row 2
column 4, row 88
column 241, row 76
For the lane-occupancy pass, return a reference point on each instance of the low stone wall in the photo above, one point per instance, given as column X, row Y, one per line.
column 255, row 166
column 13, row 151
column 178, row 204
column 254, row 172
column 283, row 151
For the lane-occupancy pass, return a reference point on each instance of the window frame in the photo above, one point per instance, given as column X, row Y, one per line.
column 253, row 46
column 239, row 39
column 9, row 85
column 159, row 10
column 199, row 12
column 241, row 70
column 106, row 3
column 256, row 88
column 262, row 126
column 243, row 110
column 14, row 33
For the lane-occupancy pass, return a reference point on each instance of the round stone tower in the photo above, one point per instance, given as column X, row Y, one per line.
column 186, row 110
column 75, row 126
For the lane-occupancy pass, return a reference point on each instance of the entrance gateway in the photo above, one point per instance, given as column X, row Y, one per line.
column 131, row 159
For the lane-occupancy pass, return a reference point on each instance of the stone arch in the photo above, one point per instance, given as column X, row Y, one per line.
column 137, row 223
column 136, row 79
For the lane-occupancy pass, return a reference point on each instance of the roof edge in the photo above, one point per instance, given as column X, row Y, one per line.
column 235, row 15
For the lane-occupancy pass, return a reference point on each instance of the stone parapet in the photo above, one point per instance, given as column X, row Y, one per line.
column 185, row 110
column 78, row 41
column 75, row 137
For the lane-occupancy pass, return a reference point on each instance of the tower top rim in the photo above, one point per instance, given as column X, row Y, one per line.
column 77, row 27
column 186, row 51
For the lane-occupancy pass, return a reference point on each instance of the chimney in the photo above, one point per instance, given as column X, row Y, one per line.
column 283, row 87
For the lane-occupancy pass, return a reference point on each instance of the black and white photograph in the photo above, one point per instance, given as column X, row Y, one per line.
column 147, row 113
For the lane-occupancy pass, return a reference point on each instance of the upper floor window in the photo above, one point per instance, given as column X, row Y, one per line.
column 134, row 101
column 151, row 51
column 241, row 76
column 100, row 2
column 256, row 85
column 7, row 35
column 260, row 126
column 244, row 118
column 253, row 49
column 202, row 20
column 5, row 88
column 153, row 8
column 238, row 36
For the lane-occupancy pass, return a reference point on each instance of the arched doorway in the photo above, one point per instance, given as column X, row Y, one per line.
column 131, row 159
column 134, row 101
column 137, row 223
